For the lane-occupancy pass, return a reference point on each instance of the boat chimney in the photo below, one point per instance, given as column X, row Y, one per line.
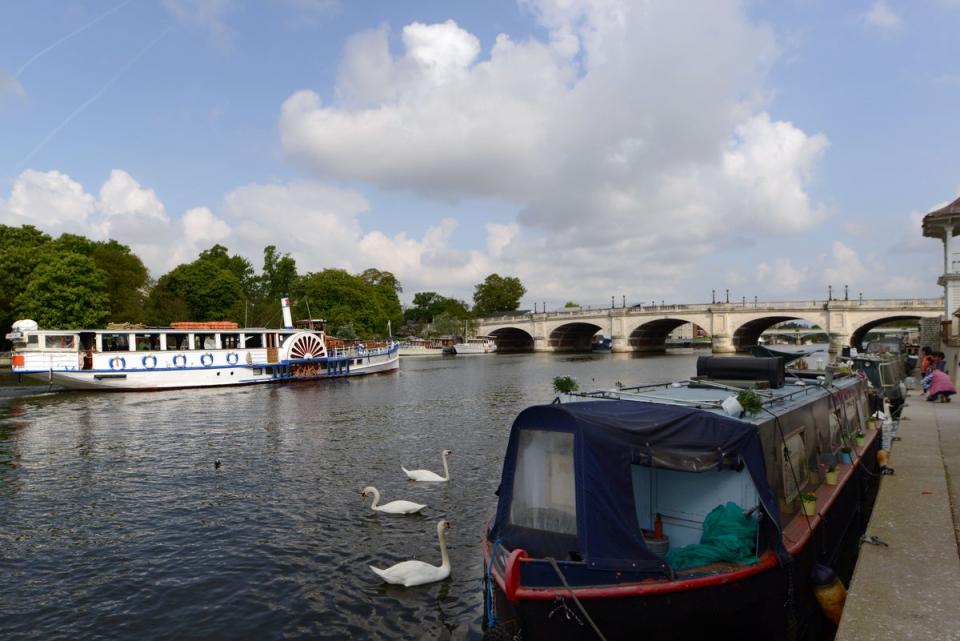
column 287, row 317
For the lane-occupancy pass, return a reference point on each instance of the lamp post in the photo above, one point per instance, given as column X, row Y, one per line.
column 845, row 295
column 611, row 302
column 624, row 301
column 713, row 296
column 829, row 292
column 861, row 298
column 754, row 302
column 728, row 296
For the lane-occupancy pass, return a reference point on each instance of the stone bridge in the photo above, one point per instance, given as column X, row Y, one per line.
column 731, row 326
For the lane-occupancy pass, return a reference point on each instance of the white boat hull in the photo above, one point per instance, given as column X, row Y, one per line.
column 214, row 375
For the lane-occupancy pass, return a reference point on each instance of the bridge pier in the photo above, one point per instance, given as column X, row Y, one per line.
column 723, row 344
column 838, row 342
column 621, row 344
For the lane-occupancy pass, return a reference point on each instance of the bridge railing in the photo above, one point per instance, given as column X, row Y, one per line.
column 794, row 305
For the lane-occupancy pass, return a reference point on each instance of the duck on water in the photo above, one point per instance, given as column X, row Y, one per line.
column 668, row 512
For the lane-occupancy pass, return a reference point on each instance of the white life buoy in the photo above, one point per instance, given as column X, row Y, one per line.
column 149, row 361
column 206, row 360
column 118, row 362
column 233, row 358
column 179, row 360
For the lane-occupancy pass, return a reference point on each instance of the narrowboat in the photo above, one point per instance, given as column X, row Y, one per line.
column 670, row 512
column 203, row 354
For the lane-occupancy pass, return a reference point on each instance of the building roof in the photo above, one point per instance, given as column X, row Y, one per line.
column 935, row 222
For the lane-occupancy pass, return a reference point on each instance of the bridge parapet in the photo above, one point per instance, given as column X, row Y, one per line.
column 732, row 326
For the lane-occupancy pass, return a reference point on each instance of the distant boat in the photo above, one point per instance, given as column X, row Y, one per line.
column 763, row 351
column 420, row 347
column 475, row 345
column 601, row 344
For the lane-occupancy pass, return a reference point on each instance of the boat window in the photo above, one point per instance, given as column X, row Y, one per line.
column 205, row 341
column 147, row 342
column 116, row 342
column 32, row 339
column 544, row 495
column 230, row 341
column 177, row 342
column 59, row 341
column 253, row 340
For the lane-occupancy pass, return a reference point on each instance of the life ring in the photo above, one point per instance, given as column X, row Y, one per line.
column 149, row 361
column 232, row 358
column 206, row 360
column 118, row 362
column 179, row 360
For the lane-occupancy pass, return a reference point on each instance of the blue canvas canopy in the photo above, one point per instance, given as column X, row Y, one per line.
column 609, row 436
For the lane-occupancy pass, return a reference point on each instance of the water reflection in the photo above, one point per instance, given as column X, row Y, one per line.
column 114, row 511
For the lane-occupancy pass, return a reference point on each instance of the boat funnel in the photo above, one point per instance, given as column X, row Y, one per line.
column 287, row 317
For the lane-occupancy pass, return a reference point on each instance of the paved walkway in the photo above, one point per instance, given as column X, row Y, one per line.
column 910, row 590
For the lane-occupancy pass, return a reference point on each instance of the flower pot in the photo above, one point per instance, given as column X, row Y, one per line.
column 860, row 440
column 809, row 508
column 846, row 457
column 831, row 477
column 871, row 423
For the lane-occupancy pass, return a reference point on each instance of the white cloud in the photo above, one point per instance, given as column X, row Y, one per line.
column 48, row 200
column 881, row 17
column 782, row 276
column 633, row 134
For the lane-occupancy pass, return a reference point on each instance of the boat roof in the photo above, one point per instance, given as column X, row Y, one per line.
column 611, row 436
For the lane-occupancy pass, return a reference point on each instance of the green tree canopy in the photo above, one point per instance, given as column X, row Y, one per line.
column 344, row 299
column 497, row 294
column 66, row 290
column 20, row 252
column 209, row 288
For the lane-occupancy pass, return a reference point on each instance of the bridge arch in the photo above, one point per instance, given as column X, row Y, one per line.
column 573, row 337
column 748, row 333
column 512, row 339
column 860, row 332
column 651, row 336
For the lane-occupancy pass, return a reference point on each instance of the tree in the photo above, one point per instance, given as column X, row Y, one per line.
column 210, row 288
column 67, row 291
column 279, row 274
column 497, row 294
column 570, row 304
column 428, row 305
column 342, row 299
column 126, row 274
column 385, row 287
column 20, row 253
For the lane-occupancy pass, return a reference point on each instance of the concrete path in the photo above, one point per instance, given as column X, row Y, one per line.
column 910, row 590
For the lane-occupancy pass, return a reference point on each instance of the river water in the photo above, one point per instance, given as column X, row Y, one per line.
column 115, row 523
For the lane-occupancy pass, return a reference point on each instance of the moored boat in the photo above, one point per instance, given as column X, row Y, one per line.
column 610, row 504
column 421, row 347
column 475, row 345
column 206, row 354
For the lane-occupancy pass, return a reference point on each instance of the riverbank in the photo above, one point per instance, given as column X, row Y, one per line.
column 910, row 587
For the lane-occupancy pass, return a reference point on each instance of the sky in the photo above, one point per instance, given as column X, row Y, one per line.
column 646, row 150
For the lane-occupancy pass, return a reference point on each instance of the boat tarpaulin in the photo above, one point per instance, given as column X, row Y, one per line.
column 609, row 438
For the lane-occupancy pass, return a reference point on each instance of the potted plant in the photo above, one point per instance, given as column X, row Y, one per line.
column 565, row 385
column 871, row 423
column 831, row 475
column 860, row 437
column 845, row 455
column 808, row 503
column 750, row 401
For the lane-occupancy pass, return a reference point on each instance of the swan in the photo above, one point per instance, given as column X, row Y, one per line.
column 393, row 507
column 427, row 475
column 410, row 573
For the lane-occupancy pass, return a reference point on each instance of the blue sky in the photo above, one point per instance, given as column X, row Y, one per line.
column 593, row 148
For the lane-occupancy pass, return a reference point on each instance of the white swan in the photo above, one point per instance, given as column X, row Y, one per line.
column 410, row 573
column 393, row 507
column 427, row 475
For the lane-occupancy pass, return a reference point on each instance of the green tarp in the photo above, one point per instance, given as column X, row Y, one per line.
column 728, row 536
